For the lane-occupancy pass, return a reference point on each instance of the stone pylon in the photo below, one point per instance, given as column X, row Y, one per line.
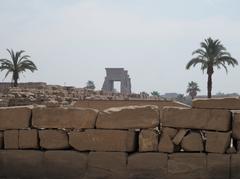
column 117, row 74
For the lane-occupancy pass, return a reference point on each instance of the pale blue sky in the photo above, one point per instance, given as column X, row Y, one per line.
column 72, row 41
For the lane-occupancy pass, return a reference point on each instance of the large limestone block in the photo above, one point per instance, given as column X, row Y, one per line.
column 1, row 140
column 217, row 103
column 148, row 140
column 147, row 166
column 11, row 139
column 187, row 166
column 53, row 139
column 77, row 118
column 107, row 165
column 165, row 144
column 208, row 119
column 28, row 139
column 171, row 132
column 193, row 142
column 236, row 125
column 217, row 142
column 218, row 166
column 179, row 136
column 235, row 166
column 65, row 164
column 15, row 118
column 21, row 164
column 129, row 117
column 103, row 140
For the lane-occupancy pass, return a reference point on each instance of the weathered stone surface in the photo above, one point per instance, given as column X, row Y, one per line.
column 171, row 132
column 129, row 117
column 147, row 166
column 193, row 142
column 231, row 150
column 1, row 140
column 187, row 166
column 179, row 136
column 236, row 125
column 208, row 119
column 217, row 103
column 217, row 142
column 148, row 141
column 53, row 139
column 235, row 166
column 11, row 139
column 165, row 144
column 107, row 165
column 103, row 140
column 28, row 139
column 105, row 104
column 21, row 164
column 77, row 118
column 14, row 118
column 237, row 145
column 65, row 164
column 218, row 166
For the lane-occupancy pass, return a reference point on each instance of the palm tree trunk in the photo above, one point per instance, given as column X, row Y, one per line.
column 15, row 84
column 209, row 85
column 15, row 79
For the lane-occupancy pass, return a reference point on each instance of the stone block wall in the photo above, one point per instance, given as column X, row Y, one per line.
column 133, row 142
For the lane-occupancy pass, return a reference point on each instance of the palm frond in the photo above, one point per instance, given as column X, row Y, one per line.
column 193, row 62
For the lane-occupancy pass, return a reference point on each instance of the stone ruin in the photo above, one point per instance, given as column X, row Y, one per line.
column 117, row 74
column 131, row 142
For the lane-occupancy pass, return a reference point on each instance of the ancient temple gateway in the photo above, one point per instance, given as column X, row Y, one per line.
column 117, row 74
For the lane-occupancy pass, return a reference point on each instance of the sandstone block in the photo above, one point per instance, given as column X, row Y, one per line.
column 208, row 119
column 14, row 118
column 237, row 145
column 187, row 166
column 218, row 166
column 179, row 136
column 129, row 117
column 165, row 144
column 231, row 150
column 53, row 139
column 217, row 103
column 217, row 142
column 28, row 139
column 148, row 141
column 77, row 118
column 65, row 164
column 11, row 139
column 147, row 165
column 1, row 140
column 21, row 164
column 107, row 165
column 193, row 142
column 171, row 132
column 235, row 166
column 236, row 125
column 103, row 140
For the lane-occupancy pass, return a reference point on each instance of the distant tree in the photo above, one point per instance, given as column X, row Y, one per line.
column 180, row 97
column 143, row 93
column 192, row 89
column 18, row 64
column 155, row 94
column 90, row 85
column 211, row 54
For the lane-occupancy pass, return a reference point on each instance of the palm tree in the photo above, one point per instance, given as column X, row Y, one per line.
column 192, row 89
column 155, row 94
column 211, row 54
column 90, row 85
column 18, row 64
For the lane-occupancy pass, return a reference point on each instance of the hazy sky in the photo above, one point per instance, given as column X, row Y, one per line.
column 72, row 41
